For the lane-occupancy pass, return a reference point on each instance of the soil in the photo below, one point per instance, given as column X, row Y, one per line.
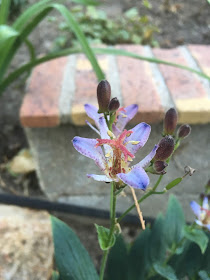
column 179, row 22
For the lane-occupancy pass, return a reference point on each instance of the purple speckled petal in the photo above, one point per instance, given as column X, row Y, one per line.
column 148, row 158
column 115, row 130
column 92, row 112
column 205, row 203
column 130, row 112
column 196, row 208
column 87, row 148
column 102, row 178
column 92, row 127
column 140, row 133
column 103, row 128
column 136, row 178
column 104, row 135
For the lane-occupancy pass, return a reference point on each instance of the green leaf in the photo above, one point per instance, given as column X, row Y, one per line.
column 174, row 222
column 206, row 257
column 117, row 264
column 4, row 11
column 6, row 33
column 197, row 236
column 157, row 245
column 204, row 275
column 118, row 52
column 139, row 261
column 55, row 275
column 131, row 13
column 72, row 259
column 174, row 183
column 104, row 237
column 166, row 271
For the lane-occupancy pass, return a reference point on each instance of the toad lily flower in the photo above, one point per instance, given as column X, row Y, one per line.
column 123, row 116
column 202, row 213
column 113, row 154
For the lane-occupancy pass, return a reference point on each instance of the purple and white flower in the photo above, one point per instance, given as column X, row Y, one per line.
column 202, row 213
column 123, row 116
column 113, row 153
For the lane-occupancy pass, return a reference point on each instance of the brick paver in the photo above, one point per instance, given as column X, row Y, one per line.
column 58, row 89
column 40, row 107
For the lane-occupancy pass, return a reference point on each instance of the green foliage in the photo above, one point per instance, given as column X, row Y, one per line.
column 119, row 260
column 72, row 259
column 197, row 236
column 98, row 28
column 169, row 250
column 104, row 236
column 17, row 34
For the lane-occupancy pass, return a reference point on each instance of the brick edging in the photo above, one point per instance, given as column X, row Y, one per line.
column 58, row 89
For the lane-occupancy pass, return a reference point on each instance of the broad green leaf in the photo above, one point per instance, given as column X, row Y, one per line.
column 72, row 259
column 198, row 236
column 117, row 264
column 157, row 246
column 166, row 271
column 139, row 261
column 189, row 262
column 173, row 183
column 104, row 239
column 206, row 257
column 6, row 33
column 174, row 222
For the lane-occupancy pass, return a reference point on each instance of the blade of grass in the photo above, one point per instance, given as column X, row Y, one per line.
column 4, row 11
column 81, row 38
column 112, row 51
column 42, row 11
column 13, row 47
column 28, row 66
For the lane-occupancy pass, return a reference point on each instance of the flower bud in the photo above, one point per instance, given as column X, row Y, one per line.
column 170, row 122
column 184, row 131
column 103, row 96
column 114, row 104
column 166, row 147
column 159, row 166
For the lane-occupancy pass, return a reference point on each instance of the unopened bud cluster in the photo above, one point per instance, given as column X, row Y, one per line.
column 105, row 103
column 168, row 143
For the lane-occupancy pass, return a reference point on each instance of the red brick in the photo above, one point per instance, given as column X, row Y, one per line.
column 201, row 54
column 138, row 86
column 85, row 87
column 40, row 107
column 181, row 83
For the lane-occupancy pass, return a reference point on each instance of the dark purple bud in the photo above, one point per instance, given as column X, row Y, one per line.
column 114, row 104
column 103, row 96
column 166, row 147
column 170, row 122
column 184, row 131
column 159, row 165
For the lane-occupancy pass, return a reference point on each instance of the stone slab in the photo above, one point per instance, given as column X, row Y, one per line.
column 26, row 244
column 62, row 171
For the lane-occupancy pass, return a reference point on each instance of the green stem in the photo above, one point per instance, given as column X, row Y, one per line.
column 111, row 232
